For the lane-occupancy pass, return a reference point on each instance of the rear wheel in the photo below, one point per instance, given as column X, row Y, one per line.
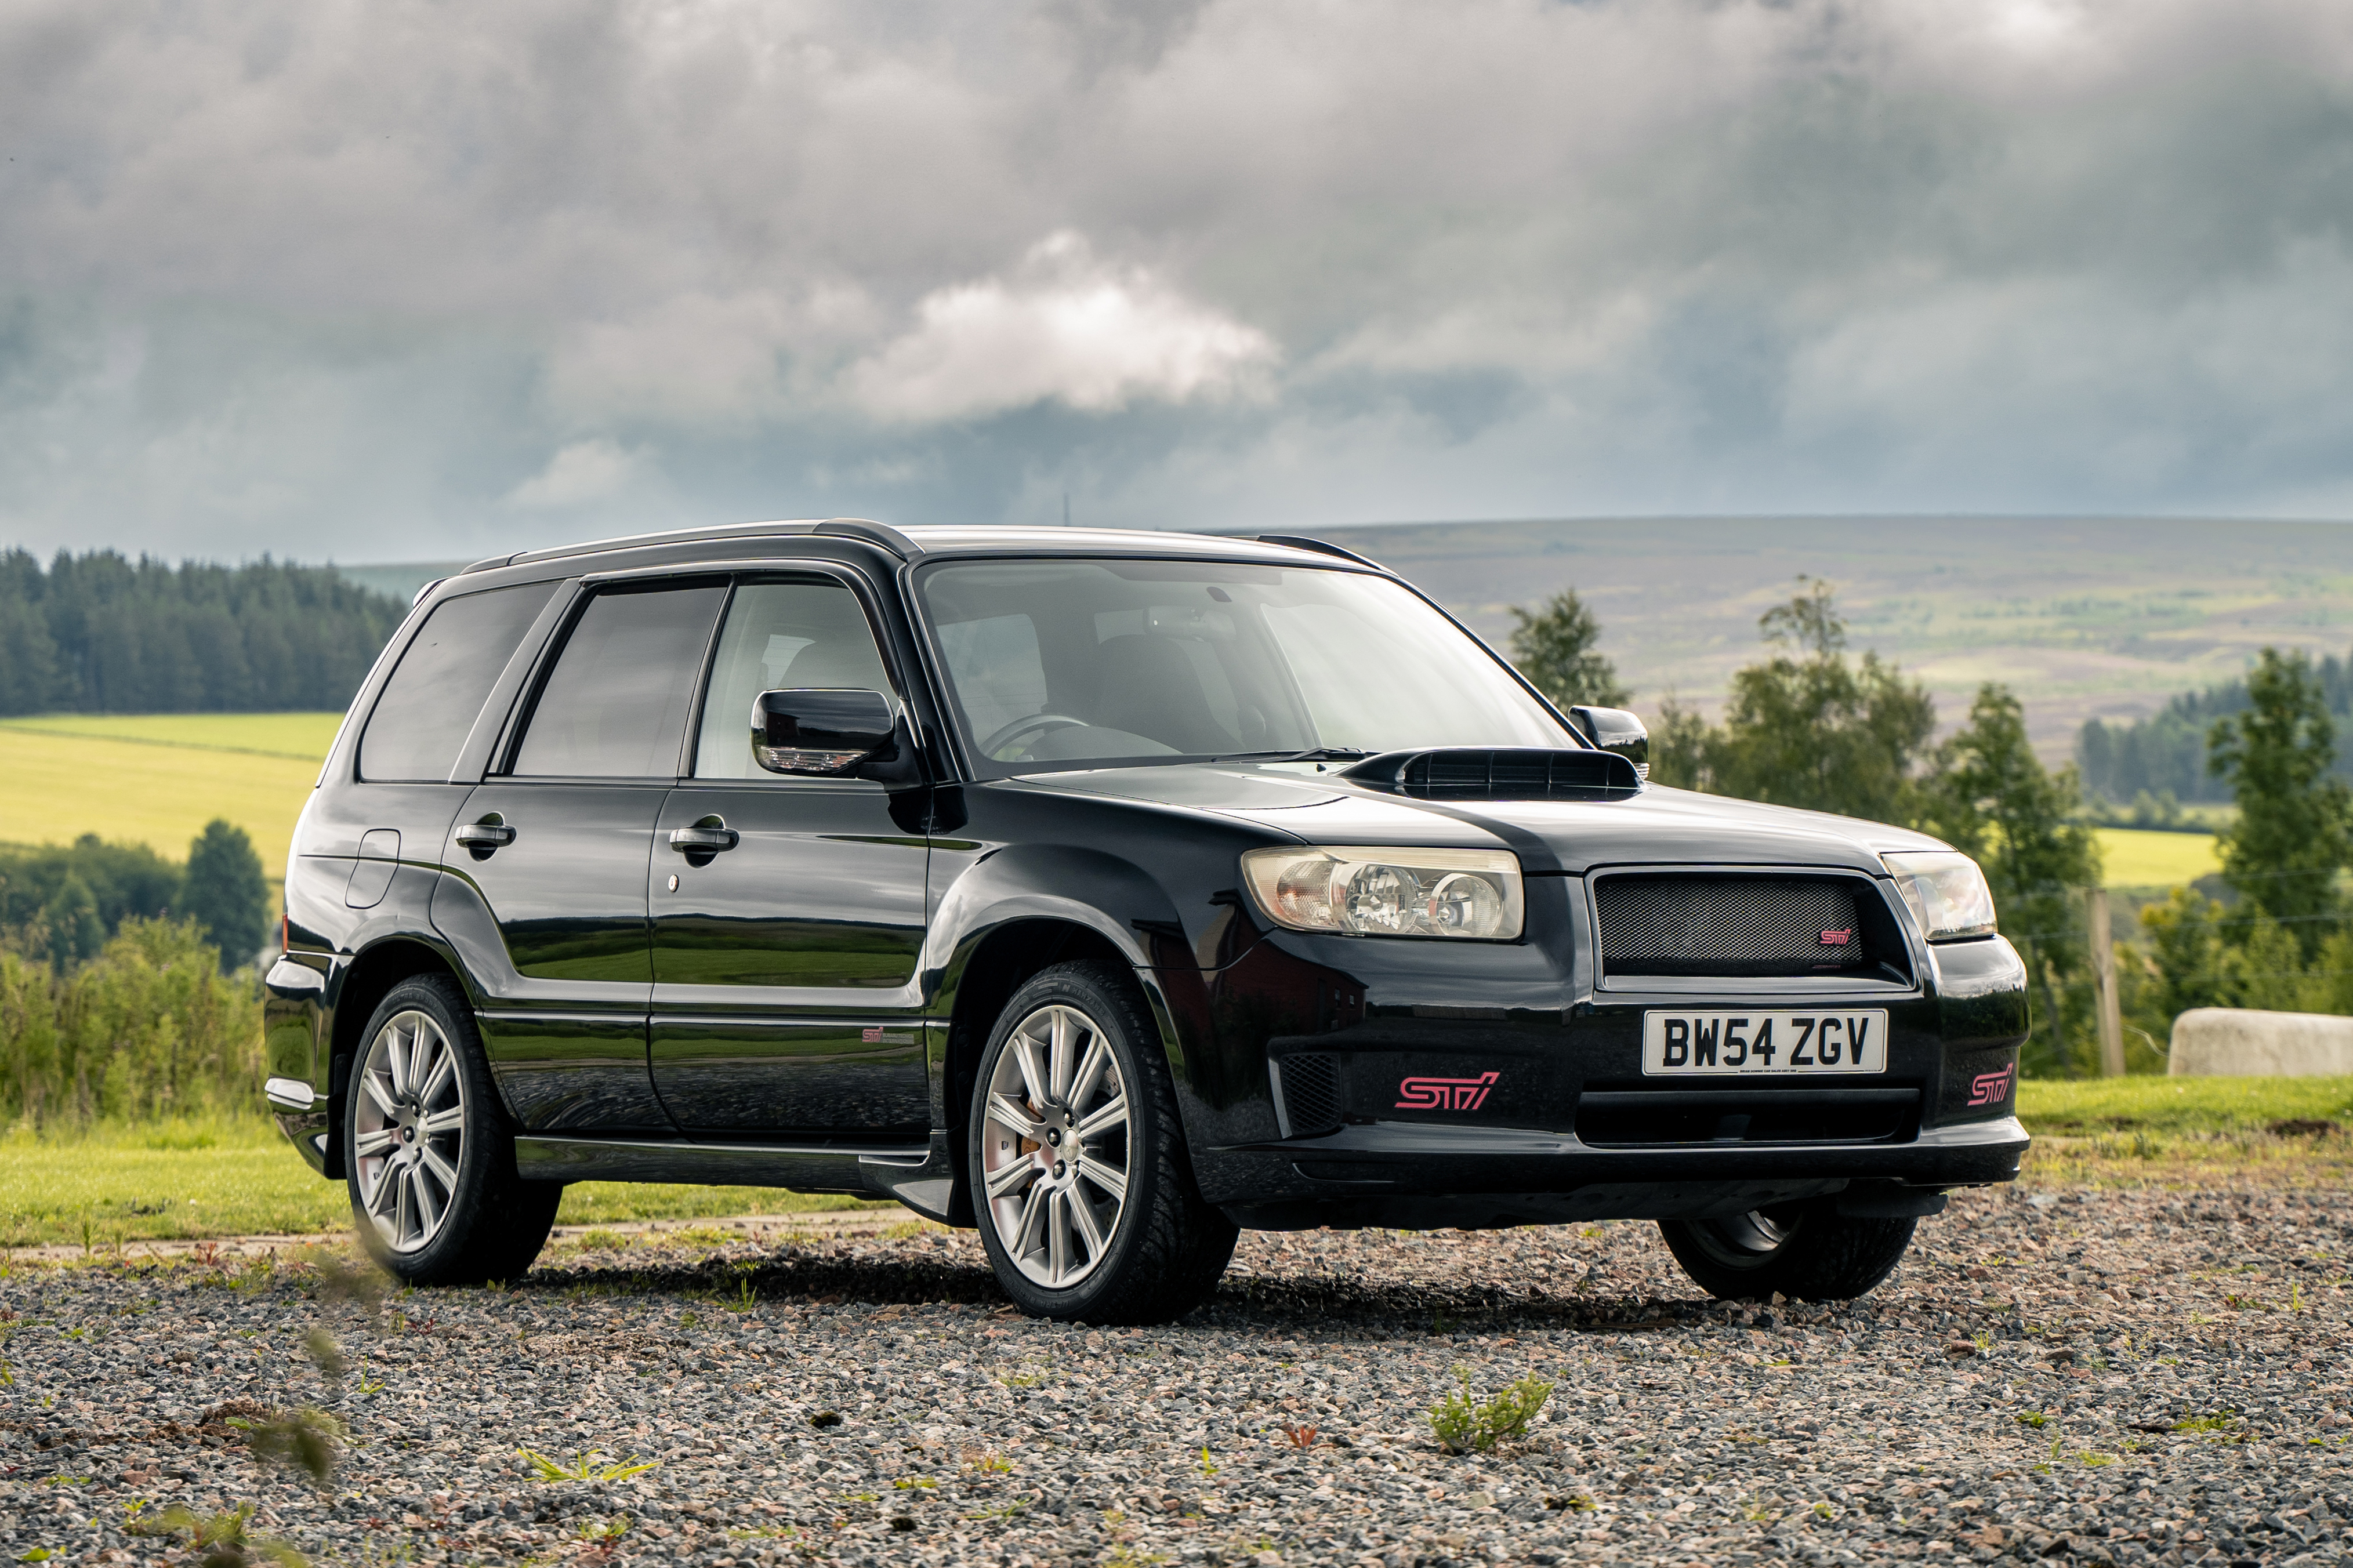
column 430, row 1166
column 1078, row 1179
column 1805, row 1250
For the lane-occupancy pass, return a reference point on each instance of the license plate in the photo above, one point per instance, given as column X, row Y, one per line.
column 1761, row 1042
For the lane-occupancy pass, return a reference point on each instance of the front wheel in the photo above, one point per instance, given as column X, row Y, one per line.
column 1079, row 1178
column 430, row 1167
column 1807, row 1251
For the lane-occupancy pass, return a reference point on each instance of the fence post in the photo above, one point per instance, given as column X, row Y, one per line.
column 2104, row 976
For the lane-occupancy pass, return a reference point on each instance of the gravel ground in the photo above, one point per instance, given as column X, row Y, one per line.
column 2119, row 1376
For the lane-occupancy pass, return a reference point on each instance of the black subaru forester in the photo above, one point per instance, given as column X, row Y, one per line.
column 1110, row 892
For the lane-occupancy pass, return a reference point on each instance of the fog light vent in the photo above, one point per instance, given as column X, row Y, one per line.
column 1308, row 1094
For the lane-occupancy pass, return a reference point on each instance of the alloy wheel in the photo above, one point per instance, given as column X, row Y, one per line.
column 1056, row 1137
column 408, row 1130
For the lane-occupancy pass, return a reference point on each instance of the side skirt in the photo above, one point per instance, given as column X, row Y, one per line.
column 919, row 1175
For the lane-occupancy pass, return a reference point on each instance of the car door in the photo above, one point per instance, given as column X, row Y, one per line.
column 786, row 1001
column 552, row 856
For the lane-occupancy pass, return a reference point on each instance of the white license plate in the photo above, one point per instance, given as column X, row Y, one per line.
column 1765, row 1042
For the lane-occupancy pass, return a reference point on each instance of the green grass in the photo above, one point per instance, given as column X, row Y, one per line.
column 2176, row 1106
column 189, row 1180
column 157, row 779
column 2139, row 857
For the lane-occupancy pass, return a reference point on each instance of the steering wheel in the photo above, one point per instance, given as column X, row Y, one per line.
column 1020, row 728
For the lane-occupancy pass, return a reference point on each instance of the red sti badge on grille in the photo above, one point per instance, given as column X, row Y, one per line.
column 1838, row 938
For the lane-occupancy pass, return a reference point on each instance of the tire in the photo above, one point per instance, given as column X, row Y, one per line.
column 1092, row 1214
column 1807, row 1251
column 430, row 1164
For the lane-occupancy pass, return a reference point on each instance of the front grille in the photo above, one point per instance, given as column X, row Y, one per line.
column 1735, row 926
column 1311, row 1094
column 1627, row 1120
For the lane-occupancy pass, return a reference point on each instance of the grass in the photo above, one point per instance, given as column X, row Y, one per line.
column 2141, row 857
column 2178, row 1106
column 190, row 1181
column 157, row 779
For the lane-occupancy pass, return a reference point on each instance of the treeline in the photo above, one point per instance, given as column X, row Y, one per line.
column 148, row 1030
column 103, row 633
column 62, row 906
column 2165, row 755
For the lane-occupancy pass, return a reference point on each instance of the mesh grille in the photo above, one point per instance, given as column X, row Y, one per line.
column 1311, row 1094
column 1730, row 926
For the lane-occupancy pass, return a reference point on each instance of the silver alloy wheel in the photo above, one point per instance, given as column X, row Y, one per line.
column 1742, row 1241
column 409, row 1130
column 1054, row 1146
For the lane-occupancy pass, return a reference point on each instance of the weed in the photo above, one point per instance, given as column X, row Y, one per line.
column 602, row 1240
column 1004, row 1510
column 1208, row 1468
column 325, row 1353
column 1983, row 1339
column 309, row 1439
column 688, row 1320
column 745, row 1298
column 221, row 1539
column 587, row 1467
column 1465, row 1426
column 598, row 1530
column 2207, row 1425
column 1129, row 1557
column 993, row 1463
column 2034, row 1418
column 1299, row 1436
column 861, row 1497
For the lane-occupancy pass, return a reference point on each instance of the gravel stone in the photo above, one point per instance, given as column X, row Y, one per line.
column 2093, row 1376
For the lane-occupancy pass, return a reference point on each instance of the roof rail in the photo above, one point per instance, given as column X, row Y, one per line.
column 1301, row 542
column 889, row 538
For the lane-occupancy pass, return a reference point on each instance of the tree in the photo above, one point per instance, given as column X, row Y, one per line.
column 1555, row 649
column 2295, row 831
column 1810, row 727
column 224, row 892
column 1988, row 796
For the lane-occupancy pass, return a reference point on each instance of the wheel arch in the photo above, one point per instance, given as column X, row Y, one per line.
column 367, row 980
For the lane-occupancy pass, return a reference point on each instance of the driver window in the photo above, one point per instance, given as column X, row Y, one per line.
column 780, row 636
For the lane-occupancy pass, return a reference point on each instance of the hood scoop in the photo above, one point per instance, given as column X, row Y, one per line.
column 1512, row 773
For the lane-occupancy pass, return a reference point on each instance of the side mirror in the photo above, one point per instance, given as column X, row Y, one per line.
column 823, row 733
column 1615, row 730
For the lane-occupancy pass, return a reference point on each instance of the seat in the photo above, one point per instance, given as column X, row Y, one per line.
column 1152, row 687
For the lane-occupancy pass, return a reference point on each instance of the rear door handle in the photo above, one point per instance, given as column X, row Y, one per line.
column 706, row 837
column 481, row 837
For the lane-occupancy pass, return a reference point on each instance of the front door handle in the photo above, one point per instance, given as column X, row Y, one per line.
column 706, row 838
column 481, row 838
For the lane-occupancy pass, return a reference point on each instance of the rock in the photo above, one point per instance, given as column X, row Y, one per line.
column 2246, row 1042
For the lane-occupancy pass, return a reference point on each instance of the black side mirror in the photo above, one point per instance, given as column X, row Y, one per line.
column 1615, row 730
column 823, row 732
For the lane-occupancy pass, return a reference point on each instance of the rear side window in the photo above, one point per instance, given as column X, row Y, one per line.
column 437, row 691
column 617, row 702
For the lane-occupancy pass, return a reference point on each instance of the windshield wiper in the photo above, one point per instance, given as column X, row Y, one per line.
column 1312, row 754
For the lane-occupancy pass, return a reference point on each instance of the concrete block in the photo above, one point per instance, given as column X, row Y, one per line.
column 2243, row 1042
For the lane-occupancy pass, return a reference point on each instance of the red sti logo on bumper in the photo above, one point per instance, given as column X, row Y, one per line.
column 1446, row 1093
column 1838, row 938
column 1990, row 1087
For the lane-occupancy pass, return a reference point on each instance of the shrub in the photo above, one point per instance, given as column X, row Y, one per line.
column 148, row 1030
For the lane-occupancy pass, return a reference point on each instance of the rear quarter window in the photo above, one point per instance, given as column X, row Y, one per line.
column 438, row 689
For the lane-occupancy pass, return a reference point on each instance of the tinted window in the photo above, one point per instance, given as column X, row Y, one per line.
column 436, row 691
column 780, row 635
column 615, row 705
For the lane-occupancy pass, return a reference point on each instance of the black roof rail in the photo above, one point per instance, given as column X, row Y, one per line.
column 1301, row 542
column 889, row 538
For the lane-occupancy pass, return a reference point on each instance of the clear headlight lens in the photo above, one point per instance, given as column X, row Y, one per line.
column 1946, row 891
column 1470, row 893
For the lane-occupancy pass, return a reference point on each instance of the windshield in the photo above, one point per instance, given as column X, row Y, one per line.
column 1060, row 664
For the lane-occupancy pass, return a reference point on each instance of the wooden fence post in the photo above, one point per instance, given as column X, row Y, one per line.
column 2104, row 976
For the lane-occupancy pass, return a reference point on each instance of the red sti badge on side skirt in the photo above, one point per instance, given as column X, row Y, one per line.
column 1446, row 1093
column 1838, row 938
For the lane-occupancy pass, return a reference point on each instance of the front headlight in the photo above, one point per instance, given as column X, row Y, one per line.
column 1948, row 893
column 1470, row 893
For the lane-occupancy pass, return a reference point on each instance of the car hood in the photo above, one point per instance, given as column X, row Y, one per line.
column 1657, row 825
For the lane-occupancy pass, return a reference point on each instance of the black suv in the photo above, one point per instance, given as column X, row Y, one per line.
column 1110, row 892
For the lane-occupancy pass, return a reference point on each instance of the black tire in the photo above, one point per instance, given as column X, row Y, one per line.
column 1807, row 1251
column 492, row 1223
column 1165, row 1249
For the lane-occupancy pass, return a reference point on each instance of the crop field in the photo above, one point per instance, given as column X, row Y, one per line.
column 156, row 779
column 2137, row 858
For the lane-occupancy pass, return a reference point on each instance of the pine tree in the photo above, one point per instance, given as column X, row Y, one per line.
column 2295, row 831
column 1555, row 649
column 224, row 892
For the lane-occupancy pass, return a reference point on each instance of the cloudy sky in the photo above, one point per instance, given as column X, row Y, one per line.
column 394, row 279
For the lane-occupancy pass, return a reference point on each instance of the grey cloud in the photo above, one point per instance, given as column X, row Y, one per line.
column 400, row 279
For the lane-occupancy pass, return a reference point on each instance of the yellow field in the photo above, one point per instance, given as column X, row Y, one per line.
column 157, row 779
column 2134, row 857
